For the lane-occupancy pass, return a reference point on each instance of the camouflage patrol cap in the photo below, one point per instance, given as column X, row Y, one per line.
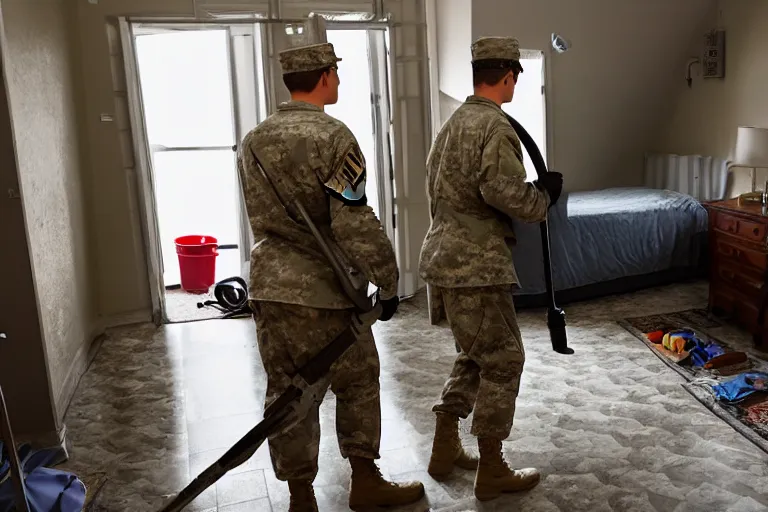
column 495, row 48
column 308, row 58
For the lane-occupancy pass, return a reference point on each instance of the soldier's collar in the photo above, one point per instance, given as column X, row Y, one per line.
column 482, row 101
column 298, row 105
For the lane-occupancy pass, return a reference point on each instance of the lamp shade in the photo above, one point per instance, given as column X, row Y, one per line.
column 751, row 147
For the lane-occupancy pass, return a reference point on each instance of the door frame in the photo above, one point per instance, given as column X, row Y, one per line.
column 144, row 152
column 143, row 166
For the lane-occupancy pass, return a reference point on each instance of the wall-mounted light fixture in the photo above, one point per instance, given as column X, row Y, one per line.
column 560, row 44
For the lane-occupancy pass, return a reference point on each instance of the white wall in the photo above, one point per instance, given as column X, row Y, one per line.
column 608, row 95
column 454, row 38
column 704, row 119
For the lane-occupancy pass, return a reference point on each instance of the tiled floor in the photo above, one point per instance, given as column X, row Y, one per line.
column 609, row 427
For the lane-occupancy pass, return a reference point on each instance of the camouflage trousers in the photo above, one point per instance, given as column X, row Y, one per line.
column 486, row 373
column 288, row 336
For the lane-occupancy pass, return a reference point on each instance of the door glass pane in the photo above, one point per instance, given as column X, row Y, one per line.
column 195, row 196
column 185, row 87
column 527, row 107
column 354, row 105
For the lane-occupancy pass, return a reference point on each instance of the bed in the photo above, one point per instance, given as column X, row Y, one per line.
column 612, row 241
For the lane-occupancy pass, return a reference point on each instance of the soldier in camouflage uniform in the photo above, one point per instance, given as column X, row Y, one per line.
column 298, row 303
column 475, row 183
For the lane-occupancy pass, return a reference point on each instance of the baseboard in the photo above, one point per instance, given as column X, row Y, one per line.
column 47, row 440
column 141, row 316
column 77, row 369
column 617, row 286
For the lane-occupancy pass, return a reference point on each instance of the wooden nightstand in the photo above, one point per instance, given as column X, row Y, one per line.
column 738, row 278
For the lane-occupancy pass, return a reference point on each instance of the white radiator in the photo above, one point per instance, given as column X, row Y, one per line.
column 703, row 177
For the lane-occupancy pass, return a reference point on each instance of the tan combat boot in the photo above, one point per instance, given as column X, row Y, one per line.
column 447, row 451
column 494, row 477
column 369, row 489
column 302, row 496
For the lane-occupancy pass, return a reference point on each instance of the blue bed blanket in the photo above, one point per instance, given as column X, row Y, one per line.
column 608, row 234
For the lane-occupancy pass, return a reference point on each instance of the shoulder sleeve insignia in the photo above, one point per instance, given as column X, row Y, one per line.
column 347, row 183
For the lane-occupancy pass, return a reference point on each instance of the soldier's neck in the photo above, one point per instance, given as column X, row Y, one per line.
column 489, row 94
column 308, row 97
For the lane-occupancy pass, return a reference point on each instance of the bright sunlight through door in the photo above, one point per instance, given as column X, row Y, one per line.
column 354, row 105
column 527, row 107
column 187, row 100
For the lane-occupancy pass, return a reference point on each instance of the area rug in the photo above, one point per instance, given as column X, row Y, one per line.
column 748, row 416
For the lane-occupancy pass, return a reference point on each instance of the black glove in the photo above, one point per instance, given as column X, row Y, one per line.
column 388, row 308
column 552, row 182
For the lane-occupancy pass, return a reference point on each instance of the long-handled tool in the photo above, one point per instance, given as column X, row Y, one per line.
column 310, row 382
column 16, row 473
column 555, row 315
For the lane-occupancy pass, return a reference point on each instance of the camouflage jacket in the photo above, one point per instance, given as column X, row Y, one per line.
column 475, row 183
column 287, row 264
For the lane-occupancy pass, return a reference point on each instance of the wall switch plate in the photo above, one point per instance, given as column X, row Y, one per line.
column 713, row 61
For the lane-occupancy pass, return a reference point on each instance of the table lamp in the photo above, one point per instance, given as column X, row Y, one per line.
column 752, row 152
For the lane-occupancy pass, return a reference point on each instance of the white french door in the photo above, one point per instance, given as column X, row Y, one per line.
column 199, row 90
column 186, row 89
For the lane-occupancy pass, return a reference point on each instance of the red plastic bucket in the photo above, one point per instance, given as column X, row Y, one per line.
column 197, row 262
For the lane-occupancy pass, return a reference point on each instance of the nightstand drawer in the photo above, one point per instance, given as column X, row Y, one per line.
column 742, row 228
column 727, row 250
column 730, row 274
column 726, row 300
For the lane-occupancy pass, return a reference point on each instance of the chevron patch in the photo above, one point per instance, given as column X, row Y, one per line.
column 349, row 180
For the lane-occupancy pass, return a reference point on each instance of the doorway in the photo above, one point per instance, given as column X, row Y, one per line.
column 186, row 82
column 202, row 88
column 528, row 105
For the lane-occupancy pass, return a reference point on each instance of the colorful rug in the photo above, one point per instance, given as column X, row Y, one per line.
column 748, row 416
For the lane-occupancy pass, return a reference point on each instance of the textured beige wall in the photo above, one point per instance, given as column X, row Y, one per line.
column 41, row 83
column 610, row 93
column 23, row 370
column 704, row 119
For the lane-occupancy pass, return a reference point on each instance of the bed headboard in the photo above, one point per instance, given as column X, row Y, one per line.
column 703, row 177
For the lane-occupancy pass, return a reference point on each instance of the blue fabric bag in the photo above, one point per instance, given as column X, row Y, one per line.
column 740, row 387
column 48, row 489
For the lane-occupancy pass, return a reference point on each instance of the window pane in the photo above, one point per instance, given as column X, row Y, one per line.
column 185, row 87
column 196, row 194
column 354, row 105
column 527, row 107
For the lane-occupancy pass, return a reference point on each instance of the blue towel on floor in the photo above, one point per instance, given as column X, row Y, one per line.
column 47, row 489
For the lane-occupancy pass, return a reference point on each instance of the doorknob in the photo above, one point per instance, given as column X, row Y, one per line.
column 234, row 148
